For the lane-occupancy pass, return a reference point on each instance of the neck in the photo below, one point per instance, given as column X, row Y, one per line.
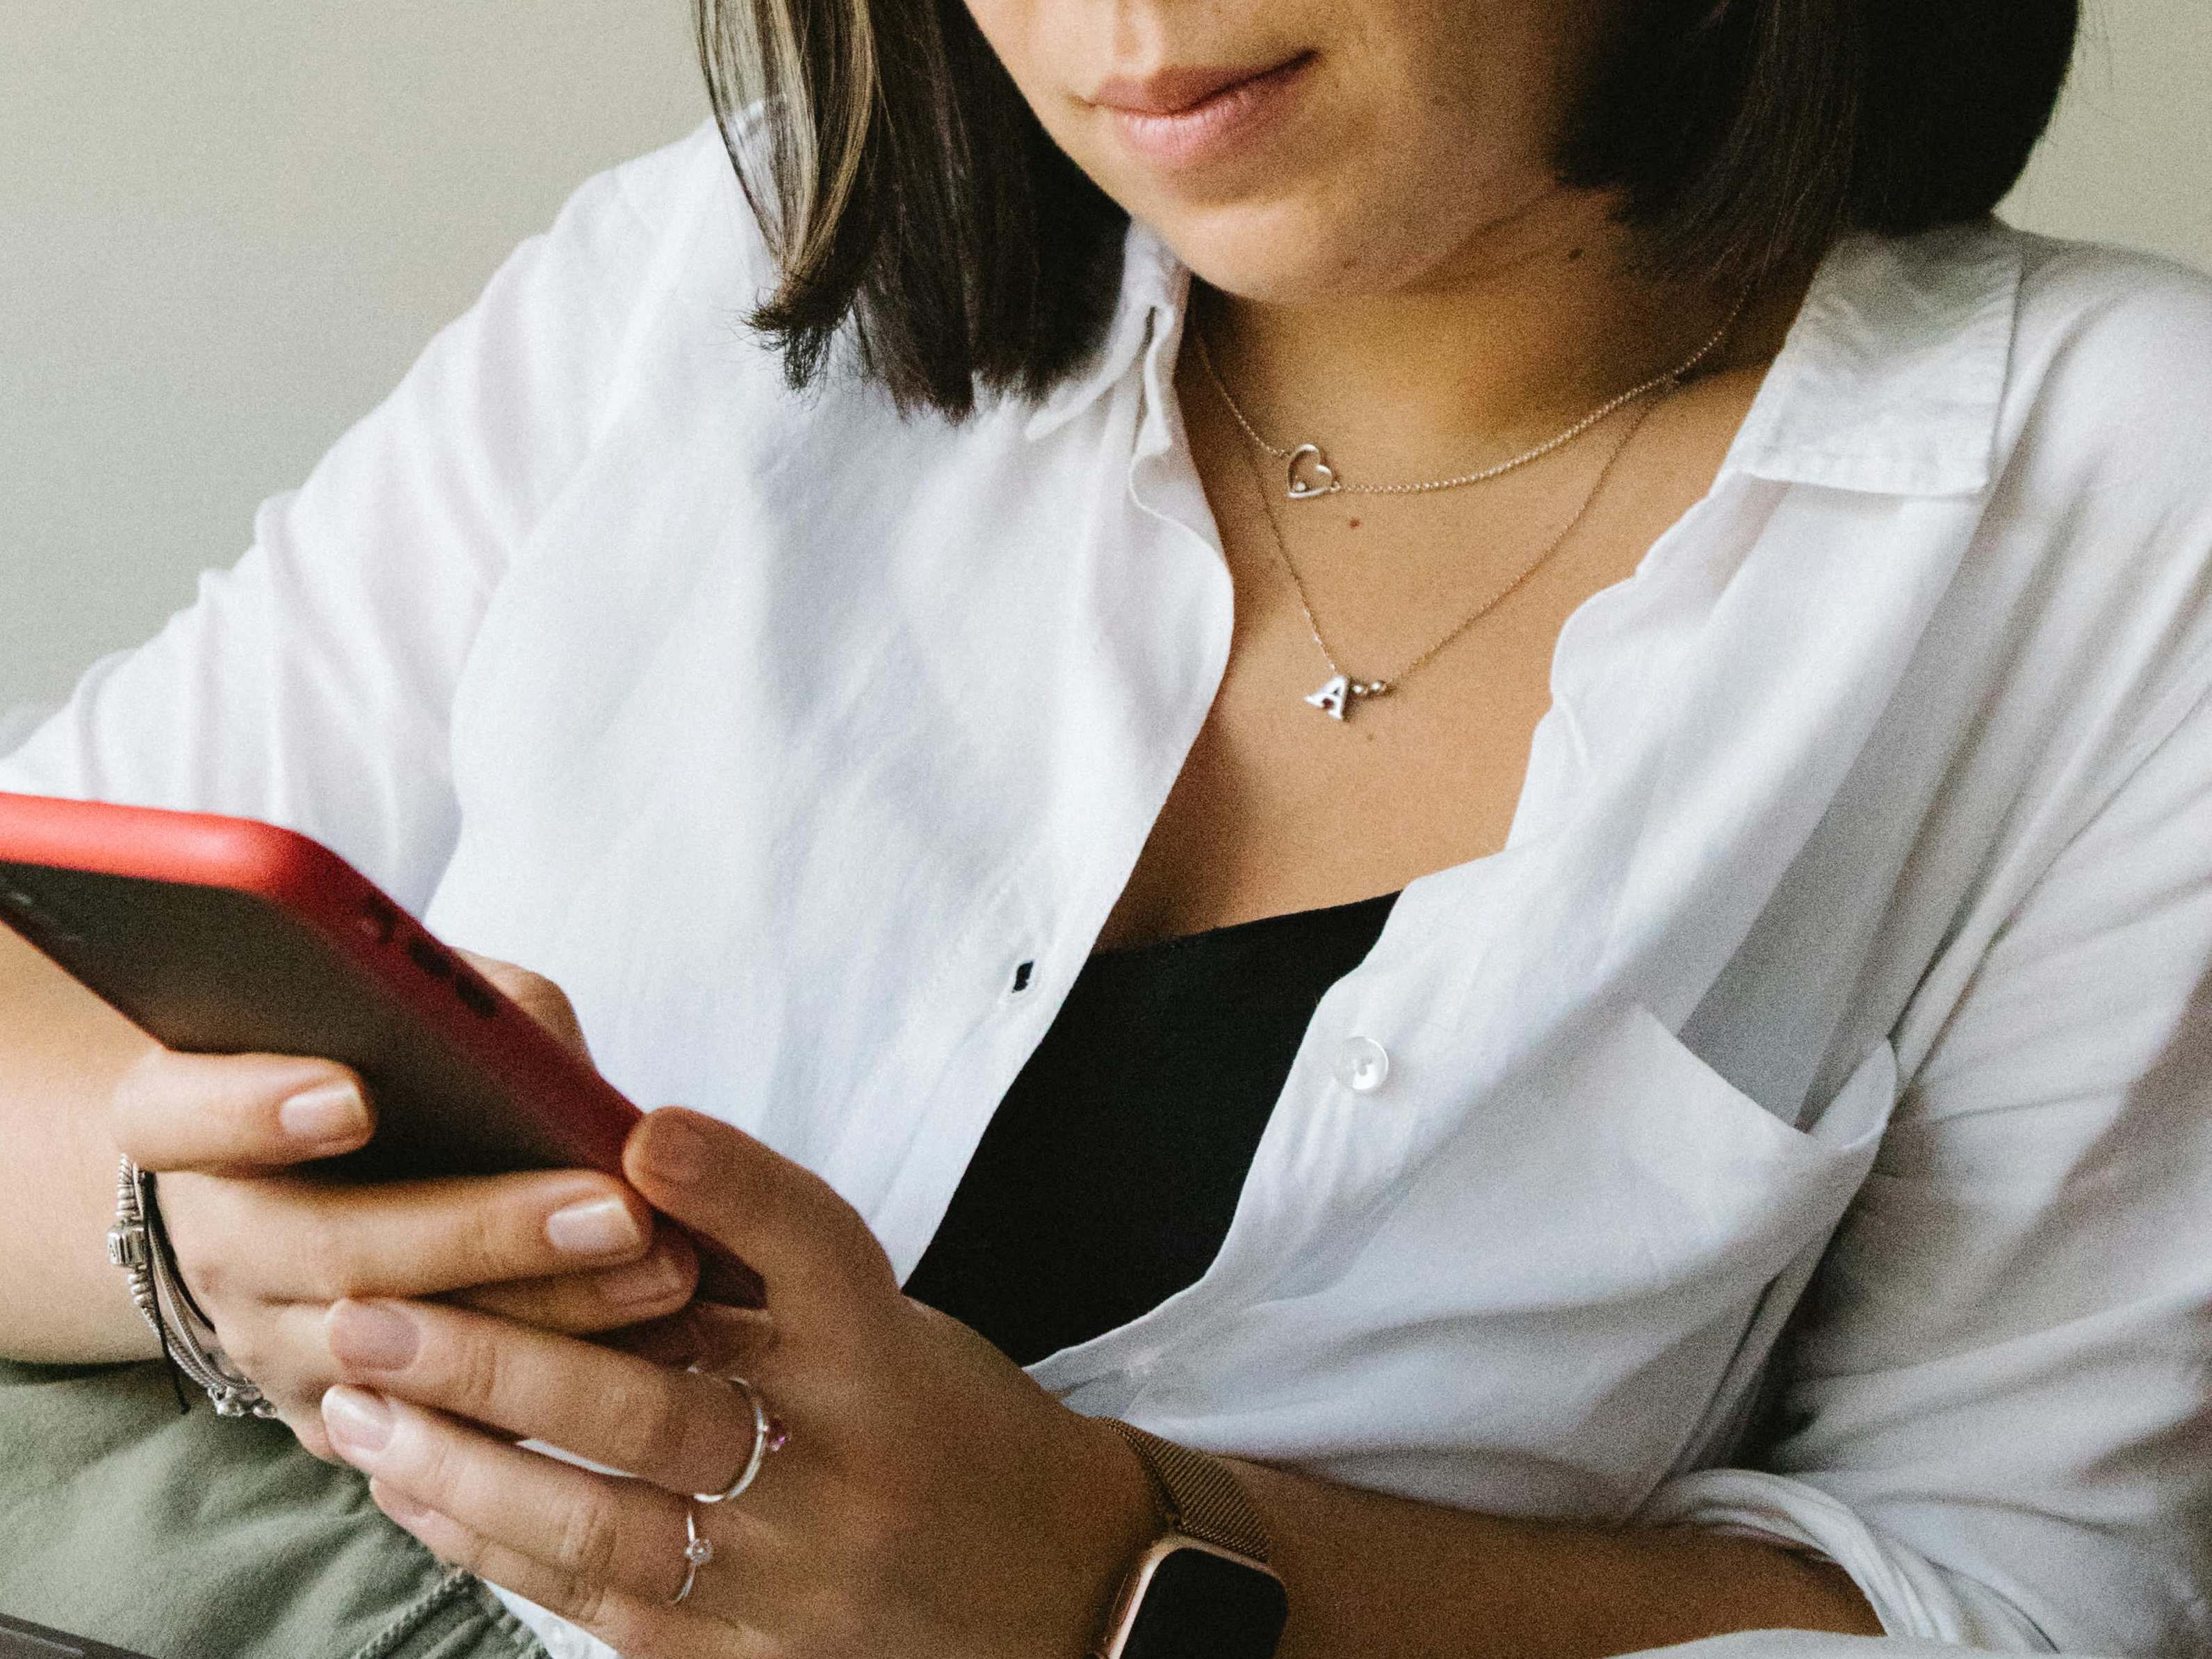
column 1545, row 319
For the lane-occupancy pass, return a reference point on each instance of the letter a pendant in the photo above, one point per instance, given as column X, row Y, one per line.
column 1336, row 698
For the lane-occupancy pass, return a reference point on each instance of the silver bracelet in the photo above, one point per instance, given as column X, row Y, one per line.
column 139, row 1244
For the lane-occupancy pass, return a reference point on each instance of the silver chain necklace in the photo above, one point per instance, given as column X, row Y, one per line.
column 1336, row 695
column 1310, row 475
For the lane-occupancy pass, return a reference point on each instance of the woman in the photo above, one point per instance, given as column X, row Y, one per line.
column 1594, row 473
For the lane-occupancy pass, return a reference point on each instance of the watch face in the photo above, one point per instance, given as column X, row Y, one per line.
column 1203, row 1606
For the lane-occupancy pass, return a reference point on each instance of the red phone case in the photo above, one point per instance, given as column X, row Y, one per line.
column 221, row 935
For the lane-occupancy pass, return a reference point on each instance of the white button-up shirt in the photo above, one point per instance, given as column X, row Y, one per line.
column 1845, row 957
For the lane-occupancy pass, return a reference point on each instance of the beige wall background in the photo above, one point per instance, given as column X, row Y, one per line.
column 226, row 229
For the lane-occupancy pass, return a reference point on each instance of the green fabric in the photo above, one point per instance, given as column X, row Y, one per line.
column 191, row 1536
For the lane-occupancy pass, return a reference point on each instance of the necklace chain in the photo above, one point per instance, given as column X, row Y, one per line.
column 1311, row 476
column 1337, row 696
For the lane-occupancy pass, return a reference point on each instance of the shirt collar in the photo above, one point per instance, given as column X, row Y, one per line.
column 1155, row 285
column 1893, row 375
column 1891, row 380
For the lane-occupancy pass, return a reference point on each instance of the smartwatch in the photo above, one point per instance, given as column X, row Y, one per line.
column 1203, row 1588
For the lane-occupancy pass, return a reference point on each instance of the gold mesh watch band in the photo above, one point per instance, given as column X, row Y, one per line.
column 1198, row 1495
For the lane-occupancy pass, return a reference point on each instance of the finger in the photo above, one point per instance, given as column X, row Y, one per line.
column 282, row 1349
column 595, row 1533
column 579, row 1303
column 600, row 1551
column 705, row 1336
column 290, row 1239
column 638, row 1629
column 287, row 1356
column 236, row 1112
column 536, row 996
column 813, row 1248
column 681, row 1431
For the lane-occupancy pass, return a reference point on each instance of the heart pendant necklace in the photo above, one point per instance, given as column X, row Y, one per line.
column 1340, row 693
column 1309, row 476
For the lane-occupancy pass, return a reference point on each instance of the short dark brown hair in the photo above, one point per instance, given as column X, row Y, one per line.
column 916, row 207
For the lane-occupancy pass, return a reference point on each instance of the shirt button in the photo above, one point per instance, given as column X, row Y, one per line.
column 1362, row 1064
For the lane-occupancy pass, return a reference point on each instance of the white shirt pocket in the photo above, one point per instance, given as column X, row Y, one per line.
column 1569, row 1296
column 1810, row 1176
column 1721, row 1156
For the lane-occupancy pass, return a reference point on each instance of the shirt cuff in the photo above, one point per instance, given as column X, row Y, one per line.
column 1909, row 1595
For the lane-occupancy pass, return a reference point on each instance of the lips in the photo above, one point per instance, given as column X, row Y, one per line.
column 1189, row 123
column 1176, row 91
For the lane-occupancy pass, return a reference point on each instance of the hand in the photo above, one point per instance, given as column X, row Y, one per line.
column 931, row 1499
column 266, row 1247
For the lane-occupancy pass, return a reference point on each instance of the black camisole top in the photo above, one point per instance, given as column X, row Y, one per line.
column 1108, row 1177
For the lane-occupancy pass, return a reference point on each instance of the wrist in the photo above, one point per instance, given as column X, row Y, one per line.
column 1205, row 1587
column 1115, row 1518
column 1125, row 1525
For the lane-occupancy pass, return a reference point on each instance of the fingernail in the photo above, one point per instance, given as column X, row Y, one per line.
column 358, row 1420
column 400, row 1507
column 656, row 1279
column 676, row 1151
column 375, row 1338
column 597, row 1226
column 328, row 1113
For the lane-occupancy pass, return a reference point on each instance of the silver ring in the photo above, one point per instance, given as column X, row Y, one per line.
column 768, row 1436
column 698, row 1551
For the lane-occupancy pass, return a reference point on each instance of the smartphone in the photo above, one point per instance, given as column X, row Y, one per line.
column 226, row 936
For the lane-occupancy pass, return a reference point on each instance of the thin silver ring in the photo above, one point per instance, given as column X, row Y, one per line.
column 698, row 1551
column 768, row 1437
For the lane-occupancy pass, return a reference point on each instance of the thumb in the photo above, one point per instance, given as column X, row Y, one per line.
column 813, row 1248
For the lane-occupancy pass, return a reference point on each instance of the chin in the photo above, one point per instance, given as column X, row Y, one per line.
column 1294, row 254
column 1323, row 248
